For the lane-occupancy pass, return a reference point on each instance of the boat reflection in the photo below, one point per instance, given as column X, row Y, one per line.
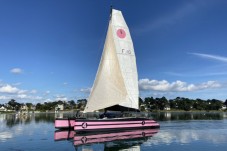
column 114, row 140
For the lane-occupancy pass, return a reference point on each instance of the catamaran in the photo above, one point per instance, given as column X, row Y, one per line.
column 116, row 84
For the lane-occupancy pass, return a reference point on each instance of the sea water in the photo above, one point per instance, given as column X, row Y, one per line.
column 179, row 131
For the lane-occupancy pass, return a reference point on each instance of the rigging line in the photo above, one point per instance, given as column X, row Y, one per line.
column 103, row 37
column 111, row 8
column 101, row 48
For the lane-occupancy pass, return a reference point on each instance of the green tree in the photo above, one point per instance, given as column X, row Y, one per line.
column 225, row 102
column 81, row 104
column 15, row 105
column 29, row 105
column 200, row 104
column 140, row 101
column 188, row 104
column 39, row 107
column 71, row 104
column 173, row 104
column 12, row 103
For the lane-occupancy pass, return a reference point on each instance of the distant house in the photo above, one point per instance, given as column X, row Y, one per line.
column 59, row 107
column 143, row 107
column 167, row 108
column 2, row 108
column 224, row 107
column 7, row 105
column 24, row 108
column 33, row 107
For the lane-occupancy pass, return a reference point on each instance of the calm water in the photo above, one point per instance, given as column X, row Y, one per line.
column 178, row 132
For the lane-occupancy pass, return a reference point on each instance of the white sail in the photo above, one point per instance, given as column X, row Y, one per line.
column 116, row 81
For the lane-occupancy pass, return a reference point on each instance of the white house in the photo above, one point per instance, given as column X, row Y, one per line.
column 59, row 107
column 167, row 108
column 3, row 108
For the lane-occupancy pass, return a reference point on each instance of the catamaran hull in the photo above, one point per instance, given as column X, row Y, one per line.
column 86, row 125
column 64, row 123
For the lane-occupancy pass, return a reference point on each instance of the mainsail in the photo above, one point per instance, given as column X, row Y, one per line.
column 116, row 82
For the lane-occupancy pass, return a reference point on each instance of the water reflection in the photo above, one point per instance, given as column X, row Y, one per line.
column 17, row 125
column 11, row 120
column 179, row 131
column 166, row 116
column 207, row 132
column 116, row 140
column 5, row 136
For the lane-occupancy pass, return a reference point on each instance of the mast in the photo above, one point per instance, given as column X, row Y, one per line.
column 111, row 9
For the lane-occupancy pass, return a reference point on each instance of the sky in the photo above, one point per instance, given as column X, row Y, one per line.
column 50, row 49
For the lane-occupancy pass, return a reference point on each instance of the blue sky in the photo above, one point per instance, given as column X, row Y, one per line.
column 50, row 49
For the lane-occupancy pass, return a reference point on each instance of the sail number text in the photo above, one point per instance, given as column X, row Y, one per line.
column 125, row 51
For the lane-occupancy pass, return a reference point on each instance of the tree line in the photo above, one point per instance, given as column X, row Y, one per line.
column 46, row 106
column 148, row 104
column 180, row 103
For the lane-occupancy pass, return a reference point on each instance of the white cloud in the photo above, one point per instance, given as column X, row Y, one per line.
column 4, row 97
column 48, row 100
column 177, row 86
column 85, row 90
column 33, row 91
column 26, row 96
column 8, row 89
column 61, row 97
column 47, row 92
column 36, row 97
column 11, row 92
column 22, row 96
column 16, row 71
column 211, row 57
column 22, row 91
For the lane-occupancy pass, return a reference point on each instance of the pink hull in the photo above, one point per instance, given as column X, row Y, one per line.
column 114, row 124
column 64, row 123
column 81, row 125
column 122, row 135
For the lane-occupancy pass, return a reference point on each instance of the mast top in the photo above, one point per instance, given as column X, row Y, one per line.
column 111, row 8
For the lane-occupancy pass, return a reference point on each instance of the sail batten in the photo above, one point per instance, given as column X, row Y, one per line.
column 116, row 81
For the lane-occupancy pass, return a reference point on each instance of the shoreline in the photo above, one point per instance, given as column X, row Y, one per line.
column 192, row 111
column 155, row 111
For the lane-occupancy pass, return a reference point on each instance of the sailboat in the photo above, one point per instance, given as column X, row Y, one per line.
column 116, row 84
